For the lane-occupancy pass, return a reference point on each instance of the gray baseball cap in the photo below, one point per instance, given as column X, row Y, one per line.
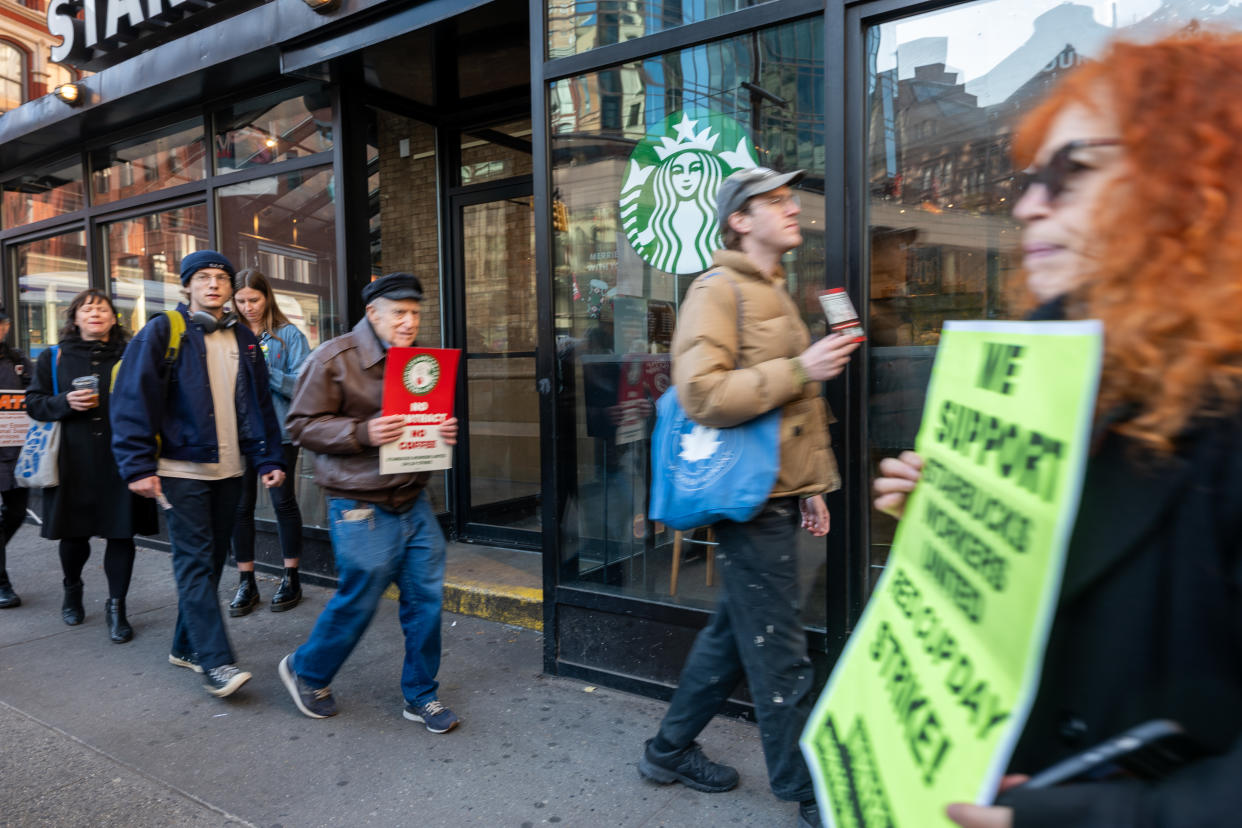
column 743, row 184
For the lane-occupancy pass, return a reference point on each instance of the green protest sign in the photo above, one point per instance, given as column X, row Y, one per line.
column 933, row 688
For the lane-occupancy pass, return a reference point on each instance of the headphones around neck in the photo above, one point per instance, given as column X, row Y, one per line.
column 210, row 324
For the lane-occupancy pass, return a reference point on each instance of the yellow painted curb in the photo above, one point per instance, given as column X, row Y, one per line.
column 519, row 606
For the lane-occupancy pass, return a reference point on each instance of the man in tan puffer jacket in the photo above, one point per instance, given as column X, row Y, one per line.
column 739, row 351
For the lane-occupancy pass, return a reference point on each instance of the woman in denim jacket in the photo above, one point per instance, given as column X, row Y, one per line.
column 284, row 350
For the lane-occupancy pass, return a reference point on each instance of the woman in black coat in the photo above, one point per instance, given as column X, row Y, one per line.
column 1131, row 215
column 14, row 373
column 91, row 500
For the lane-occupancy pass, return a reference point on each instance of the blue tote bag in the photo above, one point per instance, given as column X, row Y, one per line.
column 38, row 463
column 700, row 475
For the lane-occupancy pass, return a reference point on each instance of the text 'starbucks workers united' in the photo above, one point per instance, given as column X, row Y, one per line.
column 668, row 200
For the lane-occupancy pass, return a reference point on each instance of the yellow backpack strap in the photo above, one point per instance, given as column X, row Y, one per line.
column 176, row 325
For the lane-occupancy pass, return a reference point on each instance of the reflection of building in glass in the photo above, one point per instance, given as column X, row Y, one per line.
column 43, row 195
column 941, row 179
column 144, row 254
column 177, row 155
column 577, row 26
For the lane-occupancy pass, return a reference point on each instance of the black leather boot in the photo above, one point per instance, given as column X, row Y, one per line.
column 8, row 598
column 119, row 629
column 71, row 609
column 289, row 593
column 247, row 597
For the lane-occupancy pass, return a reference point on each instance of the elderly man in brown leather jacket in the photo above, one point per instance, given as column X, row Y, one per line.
column 383, row 528
column 739, row 351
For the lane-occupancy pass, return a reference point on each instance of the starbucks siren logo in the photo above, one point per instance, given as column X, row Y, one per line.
column 670, row 217
column 421, row 374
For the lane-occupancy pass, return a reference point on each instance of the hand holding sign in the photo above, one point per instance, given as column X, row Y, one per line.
column 448, row 431
column 383, row 430
column 898, row 477
column 980, row 816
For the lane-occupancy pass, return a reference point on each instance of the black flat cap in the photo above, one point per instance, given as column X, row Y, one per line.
column 393, row 286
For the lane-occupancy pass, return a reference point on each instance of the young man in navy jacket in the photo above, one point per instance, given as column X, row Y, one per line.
column 182, row 433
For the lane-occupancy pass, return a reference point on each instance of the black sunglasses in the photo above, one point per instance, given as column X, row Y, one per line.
column 1055, row 174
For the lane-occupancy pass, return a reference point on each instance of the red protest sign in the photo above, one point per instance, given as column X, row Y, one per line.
column 13, row 419
column 419, row 383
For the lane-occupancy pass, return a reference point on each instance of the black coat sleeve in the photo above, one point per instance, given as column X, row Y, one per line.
column 41, row 403
column 1205, row 792
column 1202, row 794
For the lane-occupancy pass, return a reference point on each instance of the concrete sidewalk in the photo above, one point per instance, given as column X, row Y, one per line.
column 94, row 733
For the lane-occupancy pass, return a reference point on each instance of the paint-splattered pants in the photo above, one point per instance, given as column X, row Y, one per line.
column 755, row 632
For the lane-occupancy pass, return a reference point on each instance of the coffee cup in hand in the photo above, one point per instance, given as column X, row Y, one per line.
column 88, row 383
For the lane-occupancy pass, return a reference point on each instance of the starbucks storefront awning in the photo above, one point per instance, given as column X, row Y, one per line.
column 313, row 51
column 278, row 37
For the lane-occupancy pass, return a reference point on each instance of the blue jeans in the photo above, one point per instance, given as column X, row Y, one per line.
column 755, row 633
column 199, row 528
column 373, row 549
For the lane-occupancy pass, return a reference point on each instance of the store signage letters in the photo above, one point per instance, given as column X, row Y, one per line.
column 106, row 25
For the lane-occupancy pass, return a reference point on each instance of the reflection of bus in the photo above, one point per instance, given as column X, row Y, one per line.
column 41, row 301
column 44, row 298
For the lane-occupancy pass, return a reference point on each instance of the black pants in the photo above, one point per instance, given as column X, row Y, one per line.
column 285, row 504
column 755, row 632
column 12, row 515
column 118, row 562
column 198, row 526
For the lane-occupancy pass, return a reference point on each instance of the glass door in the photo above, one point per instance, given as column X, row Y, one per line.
column 498, row 469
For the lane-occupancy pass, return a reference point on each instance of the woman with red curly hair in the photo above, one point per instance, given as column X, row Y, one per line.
column 1133, row 215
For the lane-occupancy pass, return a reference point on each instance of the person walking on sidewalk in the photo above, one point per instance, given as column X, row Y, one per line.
column 741, row 349
column 179, row 433
column 15, row 372
column 1129, row 210
column 284, row 350
column 383, row 527
column 91, row 500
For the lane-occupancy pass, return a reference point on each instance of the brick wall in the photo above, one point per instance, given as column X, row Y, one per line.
column 409, row 220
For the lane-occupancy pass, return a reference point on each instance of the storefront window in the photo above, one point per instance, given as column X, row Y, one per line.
column 175, row 155
column 144, row 259
column 501, row 334
column 285, row 226
column 291, row 123
column 495, row 152
column 50, row 272
column 620, row 272
column 945, row 90
column 576, row 26
column 43, row 195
